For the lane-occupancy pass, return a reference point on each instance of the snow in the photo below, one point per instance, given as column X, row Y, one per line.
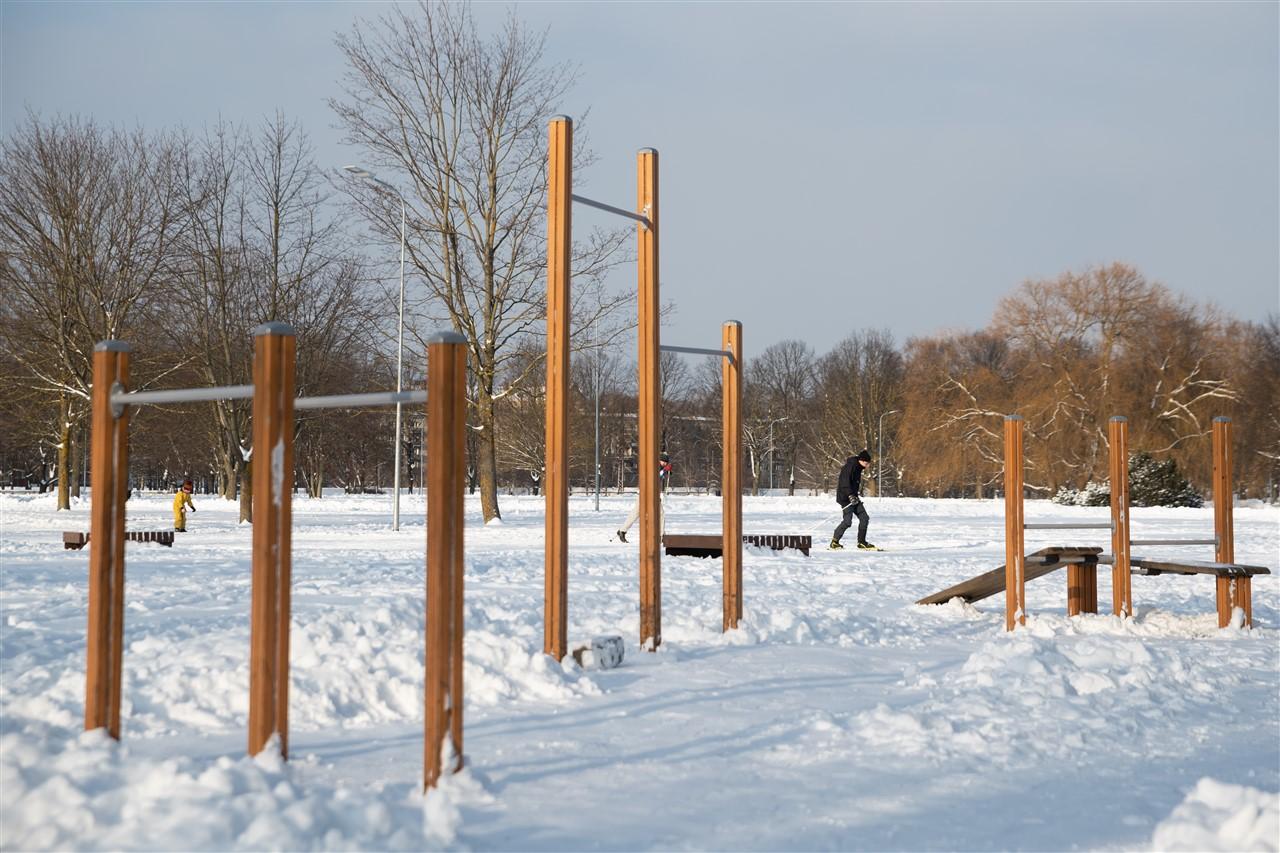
column 840, row 715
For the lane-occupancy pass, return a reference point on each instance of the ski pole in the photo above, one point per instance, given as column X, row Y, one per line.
column 828, row 519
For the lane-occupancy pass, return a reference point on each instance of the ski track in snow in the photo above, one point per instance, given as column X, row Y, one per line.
column 839, row 716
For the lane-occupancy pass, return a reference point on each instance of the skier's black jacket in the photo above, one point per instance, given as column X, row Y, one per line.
column 850, row 483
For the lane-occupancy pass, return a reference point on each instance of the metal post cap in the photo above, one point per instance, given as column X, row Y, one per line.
column 1013, row 417
column 1222, row 419
column 561, row 118
column 1119, row 419
column 446, row 337
column 274, row 327
column 112, row 346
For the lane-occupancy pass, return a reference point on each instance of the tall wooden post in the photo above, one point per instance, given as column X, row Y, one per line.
column 1232, row 592
column 731, row 472
column 1121, row 578
column 109, row 444
column 556, row 478
column 446, row 471
column 274, row 355
column 650, row 404
column 1014, row 533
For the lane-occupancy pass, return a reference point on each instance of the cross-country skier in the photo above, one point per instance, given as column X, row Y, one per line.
column 848, row 488
column 664, row 474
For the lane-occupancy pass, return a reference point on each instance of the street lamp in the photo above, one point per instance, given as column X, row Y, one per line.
column 366, row 175
column 880, row 452
column 771, row 448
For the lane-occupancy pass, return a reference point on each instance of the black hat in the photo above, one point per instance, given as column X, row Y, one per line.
column 864, row 455
column 664, row 457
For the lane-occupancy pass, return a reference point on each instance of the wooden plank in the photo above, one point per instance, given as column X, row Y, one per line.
column 648, row 429
column 1035, row 565
column 1199, row 567
column 731, row 472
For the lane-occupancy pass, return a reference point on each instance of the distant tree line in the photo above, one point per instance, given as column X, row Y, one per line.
column 181, row 242
column 1065, row 353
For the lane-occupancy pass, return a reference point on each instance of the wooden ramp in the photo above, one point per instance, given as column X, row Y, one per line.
column 704, row 545
column 1039, row 564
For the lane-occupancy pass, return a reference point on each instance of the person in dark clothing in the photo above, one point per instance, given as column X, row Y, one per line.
column 848, row 488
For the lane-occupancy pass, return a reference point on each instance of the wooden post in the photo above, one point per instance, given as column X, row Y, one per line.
column 650, row 404
column 1121, row 578
column 1237, row 591
column 274, row 355
column 1014, row 533
column 109, row 448
column 1082, row 588
column 556, row 478
column 446, row 471
column 731, row 472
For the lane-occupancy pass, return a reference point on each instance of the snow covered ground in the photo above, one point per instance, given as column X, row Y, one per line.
column 840, row 716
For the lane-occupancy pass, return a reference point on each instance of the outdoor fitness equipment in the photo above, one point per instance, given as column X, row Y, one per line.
column 1234, row 581
column 560, row 198
column 273, row 429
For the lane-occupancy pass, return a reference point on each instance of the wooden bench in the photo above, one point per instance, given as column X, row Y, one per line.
column 1234, row 586
column 74, row 540
column 704, row 545
column 1234, row 581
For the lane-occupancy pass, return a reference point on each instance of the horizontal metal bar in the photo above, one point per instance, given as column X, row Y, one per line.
column 599, row 205
column 1173, row 541
column 355, row 401
column 698, row 351
column 182, row 395
column 1098, row 526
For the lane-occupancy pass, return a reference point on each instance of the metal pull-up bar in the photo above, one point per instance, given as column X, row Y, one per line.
column 725, row 353
column 1099, row 525
column 608, row 208
column 121, row 398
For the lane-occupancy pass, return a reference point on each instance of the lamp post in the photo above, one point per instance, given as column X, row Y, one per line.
column 366, row 175
column 773, row 421
column 880, row 451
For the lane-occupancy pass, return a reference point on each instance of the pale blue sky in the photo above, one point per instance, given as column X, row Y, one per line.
column 825, row 167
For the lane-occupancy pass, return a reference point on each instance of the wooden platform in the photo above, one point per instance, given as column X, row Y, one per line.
column 1233, row 579
column 704, row 545
column 74, row 540
column 1039, row 564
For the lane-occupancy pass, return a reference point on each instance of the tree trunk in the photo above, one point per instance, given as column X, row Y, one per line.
column 228, row 476
column 73, row 464
column 487, row 464
column 64, row 451
column 246, row 491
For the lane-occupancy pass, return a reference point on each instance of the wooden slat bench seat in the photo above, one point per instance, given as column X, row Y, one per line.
column 710, row 545
column 74, row 540
column 1234, row 581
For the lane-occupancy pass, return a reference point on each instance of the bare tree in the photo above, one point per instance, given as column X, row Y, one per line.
column 460, row 121
column 86, row 219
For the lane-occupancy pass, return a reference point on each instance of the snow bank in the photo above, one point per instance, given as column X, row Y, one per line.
column 90, row 787
column 1217, row 816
